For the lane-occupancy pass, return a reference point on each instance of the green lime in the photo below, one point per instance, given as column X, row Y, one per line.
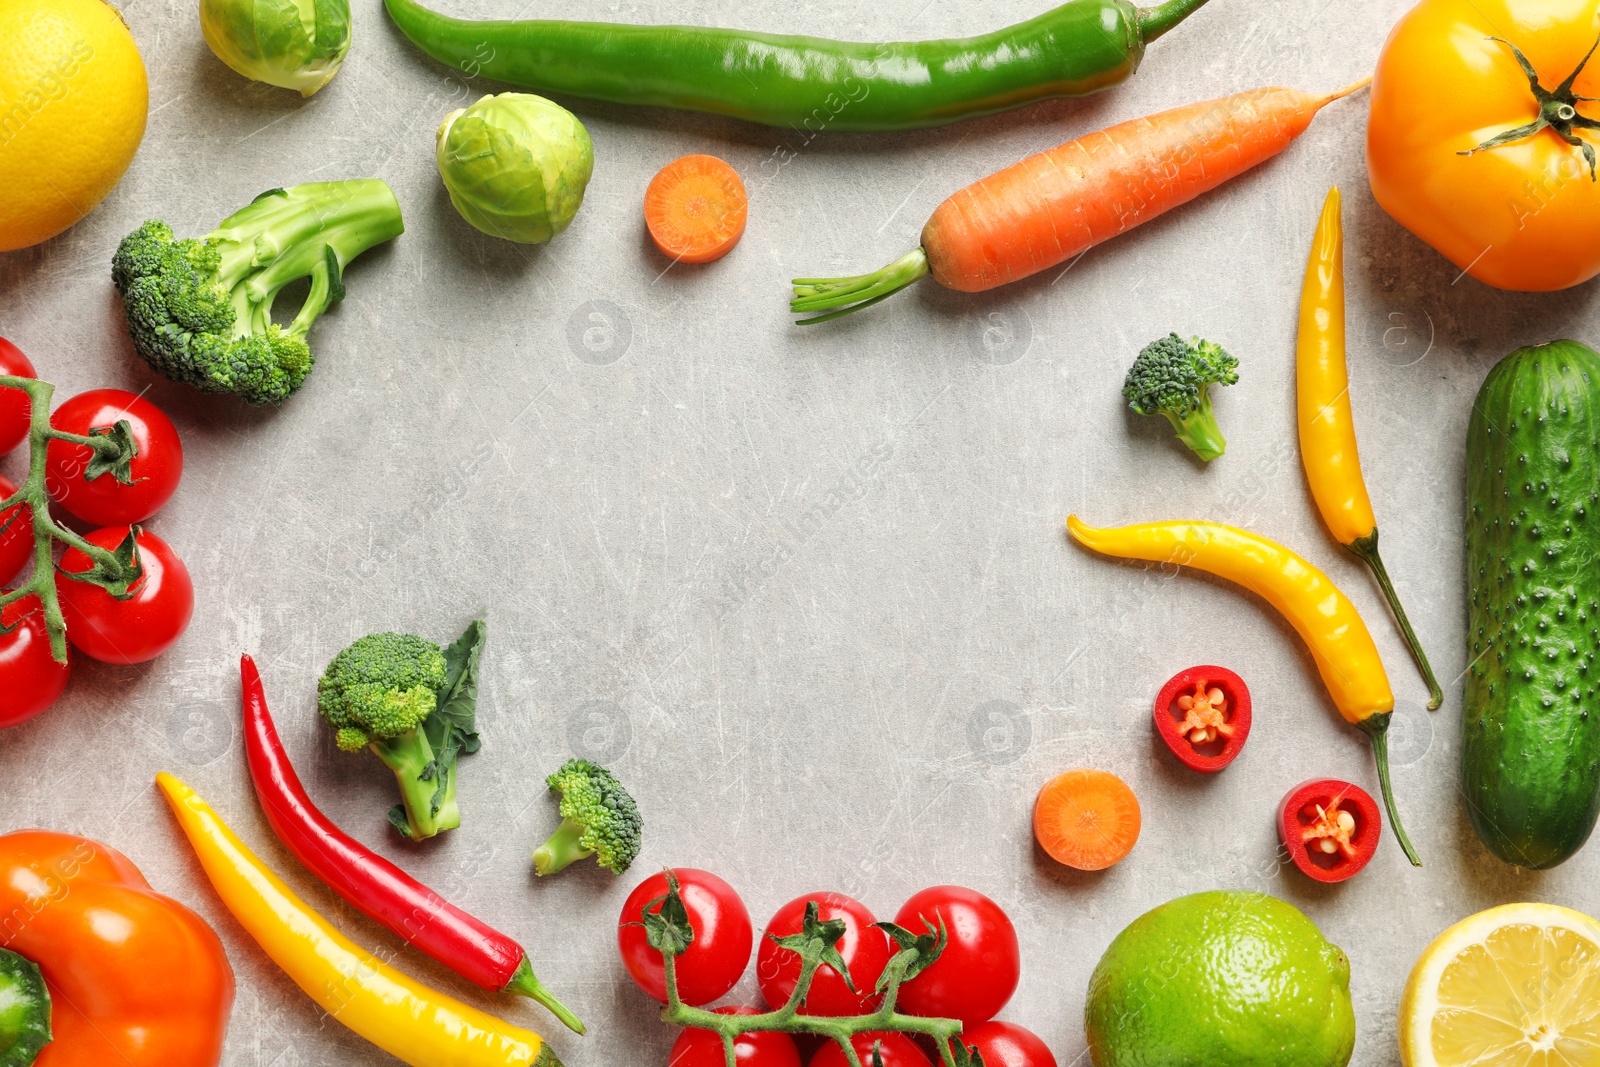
column 1234, row 978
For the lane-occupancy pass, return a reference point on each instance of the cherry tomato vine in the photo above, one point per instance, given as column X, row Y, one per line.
column 669, row 931
column 116, row 570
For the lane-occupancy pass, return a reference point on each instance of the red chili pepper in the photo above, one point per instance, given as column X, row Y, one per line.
column 1203, row 715
column 376, row 887
column 1331, row 828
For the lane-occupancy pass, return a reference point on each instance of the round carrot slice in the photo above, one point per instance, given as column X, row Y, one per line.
column 1086, row 819
column 696, row 209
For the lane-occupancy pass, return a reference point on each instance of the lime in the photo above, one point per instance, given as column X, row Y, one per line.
column 1234, row 978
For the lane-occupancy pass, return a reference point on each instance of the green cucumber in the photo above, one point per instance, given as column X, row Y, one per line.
column 1530, row 760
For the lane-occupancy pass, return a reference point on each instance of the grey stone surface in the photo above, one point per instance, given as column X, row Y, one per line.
column 807, row 591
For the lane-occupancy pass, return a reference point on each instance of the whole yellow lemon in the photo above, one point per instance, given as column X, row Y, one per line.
column 73, row 104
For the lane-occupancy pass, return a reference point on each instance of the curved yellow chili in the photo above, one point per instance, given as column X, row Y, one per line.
column 1327, row 427
column 1323, row 616
column 405, row 1018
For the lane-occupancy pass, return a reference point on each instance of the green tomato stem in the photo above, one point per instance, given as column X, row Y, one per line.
column 103, row 445
column 787, row 1019
column 41, row 580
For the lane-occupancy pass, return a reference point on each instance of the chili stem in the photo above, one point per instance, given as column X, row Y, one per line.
column 1377, row 729
column 1155, row 21
column 1367, row 549
column 525, row 983
column 46, row 531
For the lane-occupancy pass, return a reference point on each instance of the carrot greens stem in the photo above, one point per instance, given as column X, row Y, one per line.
column 841, row 296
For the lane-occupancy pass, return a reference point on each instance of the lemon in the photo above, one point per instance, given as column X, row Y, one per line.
column 73, row 103
column 1515, row 986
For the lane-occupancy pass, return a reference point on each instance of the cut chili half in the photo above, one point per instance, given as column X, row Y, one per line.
column 1203, row 716
column 1331, row 828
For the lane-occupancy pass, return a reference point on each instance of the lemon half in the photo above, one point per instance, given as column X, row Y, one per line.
column 1515, row 986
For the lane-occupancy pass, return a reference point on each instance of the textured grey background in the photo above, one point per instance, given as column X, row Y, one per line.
column 807, row 591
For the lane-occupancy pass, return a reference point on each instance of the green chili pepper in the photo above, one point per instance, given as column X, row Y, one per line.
column 807, row 83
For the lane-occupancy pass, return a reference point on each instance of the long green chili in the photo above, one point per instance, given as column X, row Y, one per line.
column 806, row 83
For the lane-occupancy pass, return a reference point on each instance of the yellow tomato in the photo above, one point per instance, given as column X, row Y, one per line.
column 1520, row 214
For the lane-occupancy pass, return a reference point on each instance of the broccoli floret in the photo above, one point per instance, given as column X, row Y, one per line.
column 598, row 818
column 200, row 311
column 377, row 694
column 1172, row 377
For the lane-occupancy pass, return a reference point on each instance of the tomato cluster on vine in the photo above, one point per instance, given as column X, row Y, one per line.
column 973, row 978
column 104, row 505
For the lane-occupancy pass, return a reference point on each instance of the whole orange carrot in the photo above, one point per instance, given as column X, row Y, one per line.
column 1041, row 212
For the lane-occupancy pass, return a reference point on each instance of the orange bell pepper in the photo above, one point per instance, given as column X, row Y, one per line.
column 135, row 979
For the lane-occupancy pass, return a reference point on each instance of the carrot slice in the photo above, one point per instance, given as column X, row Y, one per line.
column 695, row 209
column 1086, row 819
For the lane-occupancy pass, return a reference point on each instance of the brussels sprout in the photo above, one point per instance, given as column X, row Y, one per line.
column 295, row 44
column 516, row 165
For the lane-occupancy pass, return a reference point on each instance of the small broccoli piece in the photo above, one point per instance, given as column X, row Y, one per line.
column 200, row 311
column 377, row 694
column 598, row 818
column 1172, row 377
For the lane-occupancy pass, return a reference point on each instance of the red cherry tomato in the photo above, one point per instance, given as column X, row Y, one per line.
column 981, row 963
column 897, row 1050
column 16, row 540
column 16, row 414
column 722, row 937
column 105, row 501
column 1330, row 828
column 1007, row 1045
column 864, row 947
column 702, row 1048
column 30, row 680
column 127, row 631
column 1203, row 716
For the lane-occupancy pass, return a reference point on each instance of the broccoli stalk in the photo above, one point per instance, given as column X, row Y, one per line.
column 1173, row 377
column 200, row 311
column 410, row 757
column 598, row 818
column 564, row 848
column 412, row 705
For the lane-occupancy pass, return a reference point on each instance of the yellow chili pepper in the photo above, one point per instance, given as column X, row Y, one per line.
column 1327, row 427
column 405, row 1018
column 1324, row 618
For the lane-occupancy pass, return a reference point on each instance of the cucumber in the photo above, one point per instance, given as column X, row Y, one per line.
column 1530, row 760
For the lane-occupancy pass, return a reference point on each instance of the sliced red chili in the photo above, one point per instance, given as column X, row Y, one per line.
column 1330, row 828
column 1203, row 716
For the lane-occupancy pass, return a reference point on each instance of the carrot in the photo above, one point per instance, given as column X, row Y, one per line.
column 695, row 209
column 1058, row 204
column 1086, row 819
